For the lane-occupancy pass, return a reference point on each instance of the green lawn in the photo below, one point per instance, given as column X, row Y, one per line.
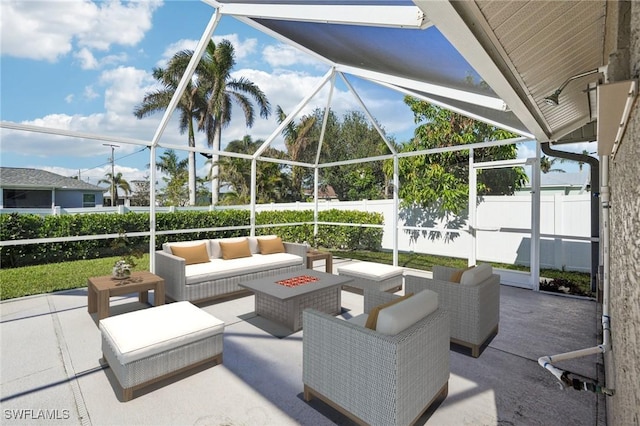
column 40, row 279
column 17, row 282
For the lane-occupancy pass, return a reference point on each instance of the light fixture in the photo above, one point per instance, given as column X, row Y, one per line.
column 554, row 98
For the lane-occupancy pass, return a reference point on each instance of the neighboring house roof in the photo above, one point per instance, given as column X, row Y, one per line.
column 323, row 192
column 16, row 177
column 565, row 179
column 562, row 180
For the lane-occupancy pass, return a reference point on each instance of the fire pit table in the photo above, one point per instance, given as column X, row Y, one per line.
column 282, row 298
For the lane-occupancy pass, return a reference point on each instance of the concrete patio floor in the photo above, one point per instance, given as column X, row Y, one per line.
column 50, row 352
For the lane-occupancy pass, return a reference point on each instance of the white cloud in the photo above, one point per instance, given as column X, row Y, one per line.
column 283, row 55
column 86, row 58
column 68, row 99
column 125, row 88
column 46, row 30
column 89, row 93
column 118, row 23
column 88, row 61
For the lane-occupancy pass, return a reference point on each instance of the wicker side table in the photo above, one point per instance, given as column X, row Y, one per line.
column 313, row 255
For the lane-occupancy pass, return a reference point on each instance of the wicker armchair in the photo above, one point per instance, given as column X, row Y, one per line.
column 374, row 378
column 474, row 310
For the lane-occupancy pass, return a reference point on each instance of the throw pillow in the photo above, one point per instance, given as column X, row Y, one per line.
column 457, row 275
column 235, row 250
column 191, row 254
column 372, row 319
column 270, row 245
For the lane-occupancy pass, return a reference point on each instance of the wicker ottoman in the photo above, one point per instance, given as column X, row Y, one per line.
column 146, row 346
column 372, row 275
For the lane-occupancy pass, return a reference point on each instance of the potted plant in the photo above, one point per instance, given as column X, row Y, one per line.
column 128, row 251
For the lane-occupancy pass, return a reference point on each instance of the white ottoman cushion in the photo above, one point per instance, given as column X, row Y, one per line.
column 370, row 271
column 147, row 332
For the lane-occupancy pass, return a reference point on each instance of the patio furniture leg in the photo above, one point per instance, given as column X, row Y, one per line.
column 475, row 351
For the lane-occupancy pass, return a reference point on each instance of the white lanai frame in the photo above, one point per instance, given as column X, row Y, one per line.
column 381, row 16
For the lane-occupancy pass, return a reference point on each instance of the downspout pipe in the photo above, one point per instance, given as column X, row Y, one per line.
column 594, row 165
column 546, row 362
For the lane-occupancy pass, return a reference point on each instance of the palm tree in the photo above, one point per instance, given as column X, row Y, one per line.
column 117, row 182
column 272, row 185
column 298, row 139
column 546, row 164
column 221, row 92
column 176, row 170
column 190, row 103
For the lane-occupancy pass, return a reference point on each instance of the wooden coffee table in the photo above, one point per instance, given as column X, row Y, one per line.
column 105, row 287
column 284, row 304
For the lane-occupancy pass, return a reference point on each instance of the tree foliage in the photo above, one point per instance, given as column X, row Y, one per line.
column 141, row 192
column 116, row 183
column 351, row 137
column 439, row 182
column 190, row 105
column 207, row 100
column 273, row 183
column 175, row 192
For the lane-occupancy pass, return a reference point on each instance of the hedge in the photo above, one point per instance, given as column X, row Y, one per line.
column 16, row 226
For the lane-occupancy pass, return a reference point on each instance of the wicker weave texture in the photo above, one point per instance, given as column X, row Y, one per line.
column 172, row 269
column 289, row 312
column 474, row 310
column 149, row 368
column 383, row 285
column 383, row 380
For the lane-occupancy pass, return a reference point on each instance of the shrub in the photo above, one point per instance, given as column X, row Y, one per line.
column 16, row 226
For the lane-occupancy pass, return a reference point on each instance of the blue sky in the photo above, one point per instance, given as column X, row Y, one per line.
column 83, row 66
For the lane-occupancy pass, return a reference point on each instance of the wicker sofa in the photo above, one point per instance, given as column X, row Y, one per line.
column 215, row 276
column 473, row 304
column 372, row 377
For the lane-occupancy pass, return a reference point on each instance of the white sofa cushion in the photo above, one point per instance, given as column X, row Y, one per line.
column 476, row 275
column 220, row 268
column 139, row 334
column 166, row 247
column 370, row 271
column 396, row 318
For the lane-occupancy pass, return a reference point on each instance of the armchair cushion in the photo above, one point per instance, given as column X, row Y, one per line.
column 372, row 319
column 476, row 275
column 192, row 254
column 400, row 316
column 457, row 274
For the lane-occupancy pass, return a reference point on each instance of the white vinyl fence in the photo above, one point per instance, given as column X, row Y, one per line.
column 503, row 231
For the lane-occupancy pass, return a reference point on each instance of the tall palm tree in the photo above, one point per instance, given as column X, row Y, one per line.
column 298, row 139
column 117, row 182
column 221, row 92
column 191, row 102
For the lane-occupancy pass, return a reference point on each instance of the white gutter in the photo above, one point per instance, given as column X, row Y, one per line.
column 546, row 361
